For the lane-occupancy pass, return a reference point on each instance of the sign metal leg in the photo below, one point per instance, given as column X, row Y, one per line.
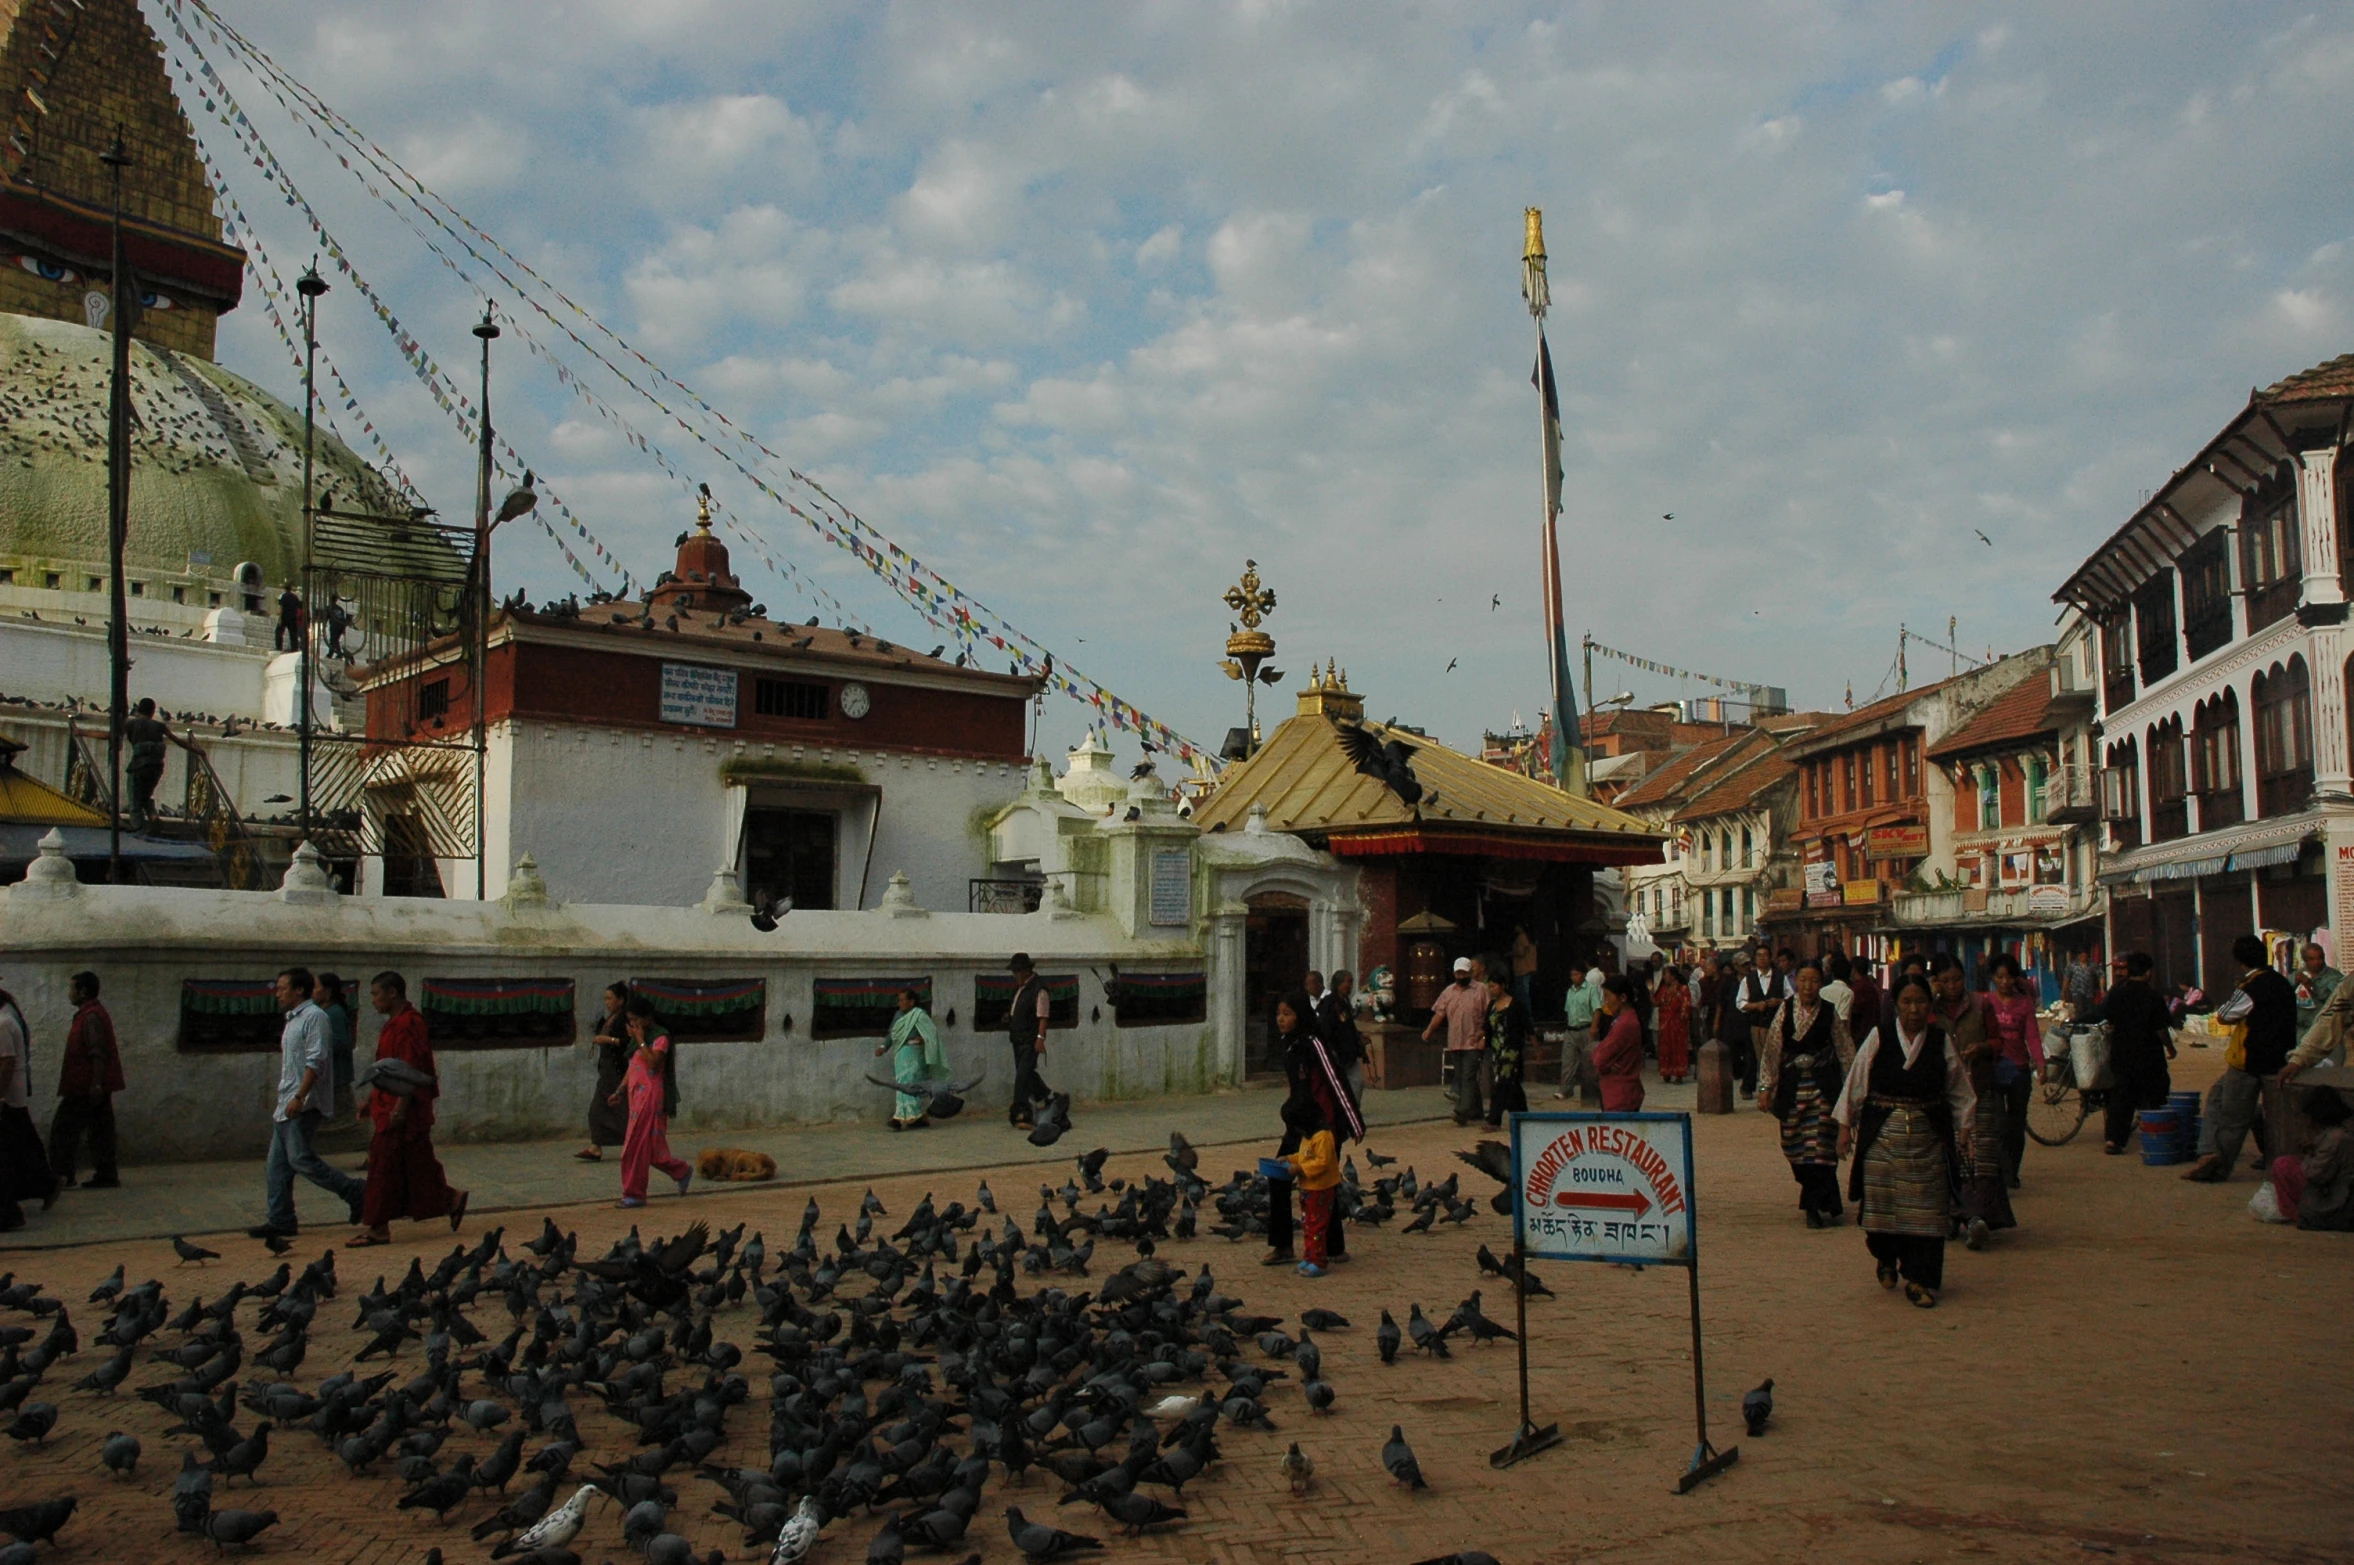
column 1707, row 1460
column 1528, row 1439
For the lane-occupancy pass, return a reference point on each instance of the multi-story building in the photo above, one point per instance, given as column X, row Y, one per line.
column 2221, row 608
column 1874, row 815
column 1726, row 808
column 2024, row 876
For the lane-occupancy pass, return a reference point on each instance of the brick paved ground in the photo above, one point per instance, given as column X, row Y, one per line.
column 2140, row 1372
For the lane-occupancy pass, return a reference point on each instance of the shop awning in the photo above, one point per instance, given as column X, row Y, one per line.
column 2263, row 858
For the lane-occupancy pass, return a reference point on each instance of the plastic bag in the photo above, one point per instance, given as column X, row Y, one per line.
column 2264, row 1205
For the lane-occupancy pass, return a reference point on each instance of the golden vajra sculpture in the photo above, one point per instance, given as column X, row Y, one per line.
column 1248, row 599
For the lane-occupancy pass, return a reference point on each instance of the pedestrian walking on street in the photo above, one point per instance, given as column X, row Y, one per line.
column 306, row 1078
column 1462, row 1010
column 1673, row 1001
column 1986, row 1204
column 1618, row 1058
column 608, row 1123
column 1863, row 1012
column 1509, row 1034
column 1905, row 1103
column 2141, row 1041
column 1580, row 1004
column 1027, row 1019
column 25, row 1173
column 1525, row 960
column 2018, row 1058
column 336, row 1005
column 916, row 1058
column 1762, row 990
column 2081, row 987
column 404, row 1177
column 1838, row 993
column 1336, row 1024
column 1808, row 1053
column 2266, row 1004
column 88, row 1077
column 650, row 1088
column 1308, row 1072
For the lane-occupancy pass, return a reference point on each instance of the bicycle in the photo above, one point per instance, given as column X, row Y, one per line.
column 2060, row 1104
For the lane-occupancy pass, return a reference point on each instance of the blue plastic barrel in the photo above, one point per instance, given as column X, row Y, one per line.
column 2161, row 1136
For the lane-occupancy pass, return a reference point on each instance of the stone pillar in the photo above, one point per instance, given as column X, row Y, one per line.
column 1714, row 1079
column 2317, row 519
column 1226, row 989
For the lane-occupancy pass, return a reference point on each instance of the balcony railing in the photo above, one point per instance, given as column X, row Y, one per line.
column 1004, row 895
column 1971, row 905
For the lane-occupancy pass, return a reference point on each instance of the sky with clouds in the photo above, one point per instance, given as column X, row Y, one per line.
column 1085, row 304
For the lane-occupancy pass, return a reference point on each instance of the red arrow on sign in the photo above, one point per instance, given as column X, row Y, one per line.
column 1634, row 1201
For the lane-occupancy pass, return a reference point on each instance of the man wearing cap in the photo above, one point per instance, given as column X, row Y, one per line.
column 1462, row 1007
column 1026, row 1019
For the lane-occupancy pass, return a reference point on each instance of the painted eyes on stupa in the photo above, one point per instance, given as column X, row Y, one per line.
column 48, row 271
column 156, row 301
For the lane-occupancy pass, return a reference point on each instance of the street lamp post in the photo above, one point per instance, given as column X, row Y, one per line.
column 310, row 285
column 122, row 309
column 487, row 331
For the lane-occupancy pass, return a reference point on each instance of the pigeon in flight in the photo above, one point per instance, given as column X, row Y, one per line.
column 1390, row 764
column 1982, row 538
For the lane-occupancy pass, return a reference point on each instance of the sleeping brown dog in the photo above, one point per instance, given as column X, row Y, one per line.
column 730, row 1164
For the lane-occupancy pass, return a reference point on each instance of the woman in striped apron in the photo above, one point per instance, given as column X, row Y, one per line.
column 1805, row 1061
column 1906, row 1102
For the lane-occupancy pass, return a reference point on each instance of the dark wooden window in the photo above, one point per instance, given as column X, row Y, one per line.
column 789, row 856
column 1912, row 768
column 2121, row 795
column 2169, row 783
column 2206, row 595
column 433, row 699
column 1893, row 790
column 1814, row 790
column 2117, row 661
column 2272, row 557
column 1847, row 768
column 2284, row 740
column 2215, row 762
column 1871, row 760
column 792, row 698
column 2153, row 624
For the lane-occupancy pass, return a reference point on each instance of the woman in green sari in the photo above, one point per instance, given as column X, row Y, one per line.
column 916, row 1060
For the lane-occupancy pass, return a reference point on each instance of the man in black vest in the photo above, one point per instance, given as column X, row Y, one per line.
column 1025, row 1024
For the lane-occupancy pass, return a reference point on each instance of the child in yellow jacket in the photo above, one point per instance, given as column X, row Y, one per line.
column 1317, row 1165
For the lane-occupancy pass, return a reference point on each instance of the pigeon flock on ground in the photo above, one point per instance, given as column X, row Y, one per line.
column 907, row 1371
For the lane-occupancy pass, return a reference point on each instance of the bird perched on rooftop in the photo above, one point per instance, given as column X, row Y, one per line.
column 1757, row 1407
column 520, row 499
column 1390, row 764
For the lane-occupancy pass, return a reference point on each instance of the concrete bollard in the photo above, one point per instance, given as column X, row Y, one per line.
column 1714, row 1079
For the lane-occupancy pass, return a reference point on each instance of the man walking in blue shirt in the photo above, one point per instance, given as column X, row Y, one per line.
column 306, row 1083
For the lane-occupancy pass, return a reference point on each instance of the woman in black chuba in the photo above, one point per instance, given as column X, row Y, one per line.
column 1804, row 1062
column 1905, row 1110
column 1310, row 1073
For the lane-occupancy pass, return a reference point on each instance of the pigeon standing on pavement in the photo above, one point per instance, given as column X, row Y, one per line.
column 1757, row 1407
column 192, row 1252
column 120, row 1454
column 1299, row 1468
column 1387, row 1338
column 1044, row 1543
column 1398, row 1457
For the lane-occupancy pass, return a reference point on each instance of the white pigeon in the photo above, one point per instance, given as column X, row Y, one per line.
column 799, row 1535
column 1173, row 1407
column 554, row 1530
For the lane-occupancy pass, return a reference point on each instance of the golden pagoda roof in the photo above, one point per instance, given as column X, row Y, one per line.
column 27, row 801
column 1309, row 786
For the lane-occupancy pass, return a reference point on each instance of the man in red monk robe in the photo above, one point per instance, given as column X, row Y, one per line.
column 404, row 1177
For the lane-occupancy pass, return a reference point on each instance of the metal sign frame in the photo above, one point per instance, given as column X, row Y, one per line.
column 1540, row 1128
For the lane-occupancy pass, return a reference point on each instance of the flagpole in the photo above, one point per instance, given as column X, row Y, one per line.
column 1569, row 740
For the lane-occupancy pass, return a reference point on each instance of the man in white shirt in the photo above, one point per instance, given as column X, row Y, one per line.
column 1837, row 991
column 306, row 1083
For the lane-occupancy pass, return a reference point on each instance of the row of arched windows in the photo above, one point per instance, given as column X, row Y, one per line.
column 2203, row 763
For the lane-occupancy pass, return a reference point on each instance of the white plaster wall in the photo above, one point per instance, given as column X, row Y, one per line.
column 52, row 662
column 144, row 941
column 252, row 766
column 623, row 815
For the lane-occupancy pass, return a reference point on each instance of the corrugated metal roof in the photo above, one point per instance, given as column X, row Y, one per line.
column 27, row 801
column 1308, row 784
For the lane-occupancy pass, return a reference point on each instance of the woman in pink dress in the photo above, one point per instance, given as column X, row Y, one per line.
column 650, row 1088
column 2018, row 1039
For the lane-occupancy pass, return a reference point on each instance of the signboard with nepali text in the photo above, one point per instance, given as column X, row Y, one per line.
column 1896, row 842
column 1604, row 1187
column 694, row 694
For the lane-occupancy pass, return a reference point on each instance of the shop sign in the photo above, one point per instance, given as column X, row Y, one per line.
column 1822, row 883
column 694, row 694
column 1896, row 842
column 2048, row 901
column 1865, row 892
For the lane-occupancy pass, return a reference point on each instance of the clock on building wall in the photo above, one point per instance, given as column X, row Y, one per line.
column 855, row 701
